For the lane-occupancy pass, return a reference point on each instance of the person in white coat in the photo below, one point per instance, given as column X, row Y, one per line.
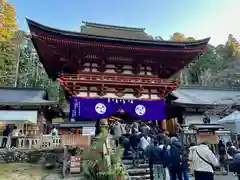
column 192, row 148
column 203, row 161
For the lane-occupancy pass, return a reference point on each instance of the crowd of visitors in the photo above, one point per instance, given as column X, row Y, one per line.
column 169, row 158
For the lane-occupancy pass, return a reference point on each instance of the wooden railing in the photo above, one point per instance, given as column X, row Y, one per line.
column 45, row 142
column 116, row 78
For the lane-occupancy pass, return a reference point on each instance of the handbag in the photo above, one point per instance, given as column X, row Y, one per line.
column 212, row 166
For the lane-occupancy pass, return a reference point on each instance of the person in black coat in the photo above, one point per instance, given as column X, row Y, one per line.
column 175, row 159
column 134, row 141
column 6, row 133
column 185, row 153
column 222, row 156
column 157, row 162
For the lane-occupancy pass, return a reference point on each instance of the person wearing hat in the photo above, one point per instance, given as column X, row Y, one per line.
column 204, row 162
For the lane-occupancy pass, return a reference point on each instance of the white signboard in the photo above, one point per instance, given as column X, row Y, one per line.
column 88, row 131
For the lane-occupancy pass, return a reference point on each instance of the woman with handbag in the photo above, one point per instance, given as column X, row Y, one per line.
column 204, row 162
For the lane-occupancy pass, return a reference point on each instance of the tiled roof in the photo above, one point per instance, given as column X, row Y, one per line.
column 114, row 31
column 205, row 126
column 206, row 96
column 66, row 45
column 24, row 96
column 233, row 117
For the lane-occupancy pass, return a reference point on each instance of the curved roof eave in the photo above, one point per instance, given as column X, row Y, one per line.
column 72, row 34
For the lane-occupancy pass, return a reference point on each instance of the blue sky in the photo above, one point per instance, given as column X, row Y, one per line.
column 197, row 18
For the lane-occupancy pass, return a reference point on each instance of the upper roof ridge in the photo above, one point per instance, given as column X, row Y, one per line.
column 106, row 26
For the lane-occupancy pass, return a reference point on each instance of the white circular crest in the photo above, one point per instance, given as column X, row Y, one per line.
column 100, row 108
column 140, row 110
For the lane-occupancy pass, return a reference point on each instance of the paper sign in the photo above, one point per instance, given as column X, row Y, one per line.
column 88, row 131
column 75, row 166
column 210, row 138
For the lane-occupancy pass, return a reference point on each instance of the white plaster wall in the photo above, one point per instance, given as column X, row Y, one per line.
column 127, row 72
column 86, row 70
column 110, row 71
column 142, row 73
column 94, row 70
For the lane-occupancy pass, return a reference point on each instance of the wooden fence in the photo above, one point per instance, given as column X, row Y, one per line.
column 45, row 142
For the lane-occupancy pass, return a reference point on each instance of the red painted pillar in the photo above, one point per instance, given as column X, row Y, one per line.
column 164, row 124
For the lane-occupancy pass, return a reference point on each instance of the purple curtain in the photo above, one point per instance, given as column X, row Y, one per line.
column 84, row 108
column 92, row 108
column 147, row 110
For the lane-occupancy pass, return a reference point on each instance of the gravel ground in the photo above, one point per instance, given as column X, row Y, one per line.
column 56, row 176
column 15, row 171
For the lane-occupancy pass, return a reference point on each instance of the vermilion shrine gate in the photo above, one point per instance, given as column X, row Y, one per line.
column 104, row 61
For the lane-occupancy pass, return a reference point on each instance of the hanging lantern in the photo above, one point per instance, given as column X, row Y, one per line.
column 206, row 119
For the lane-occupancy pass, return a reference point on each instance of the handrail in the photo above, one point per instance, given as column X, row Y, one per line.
column 117, row 77
column 109, row 74
column 107, row 80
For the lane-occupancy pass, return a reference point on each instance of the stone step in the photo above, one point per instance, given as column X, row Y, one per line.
column 130, row 155
column 129, row 162
column 141, row 177
column 138, row 171
column 127, row 157
column 131, row 166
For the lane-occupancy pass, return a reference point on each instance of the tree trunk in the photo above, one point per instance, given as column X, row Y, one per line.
column 180, row 77
column 17, row 65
